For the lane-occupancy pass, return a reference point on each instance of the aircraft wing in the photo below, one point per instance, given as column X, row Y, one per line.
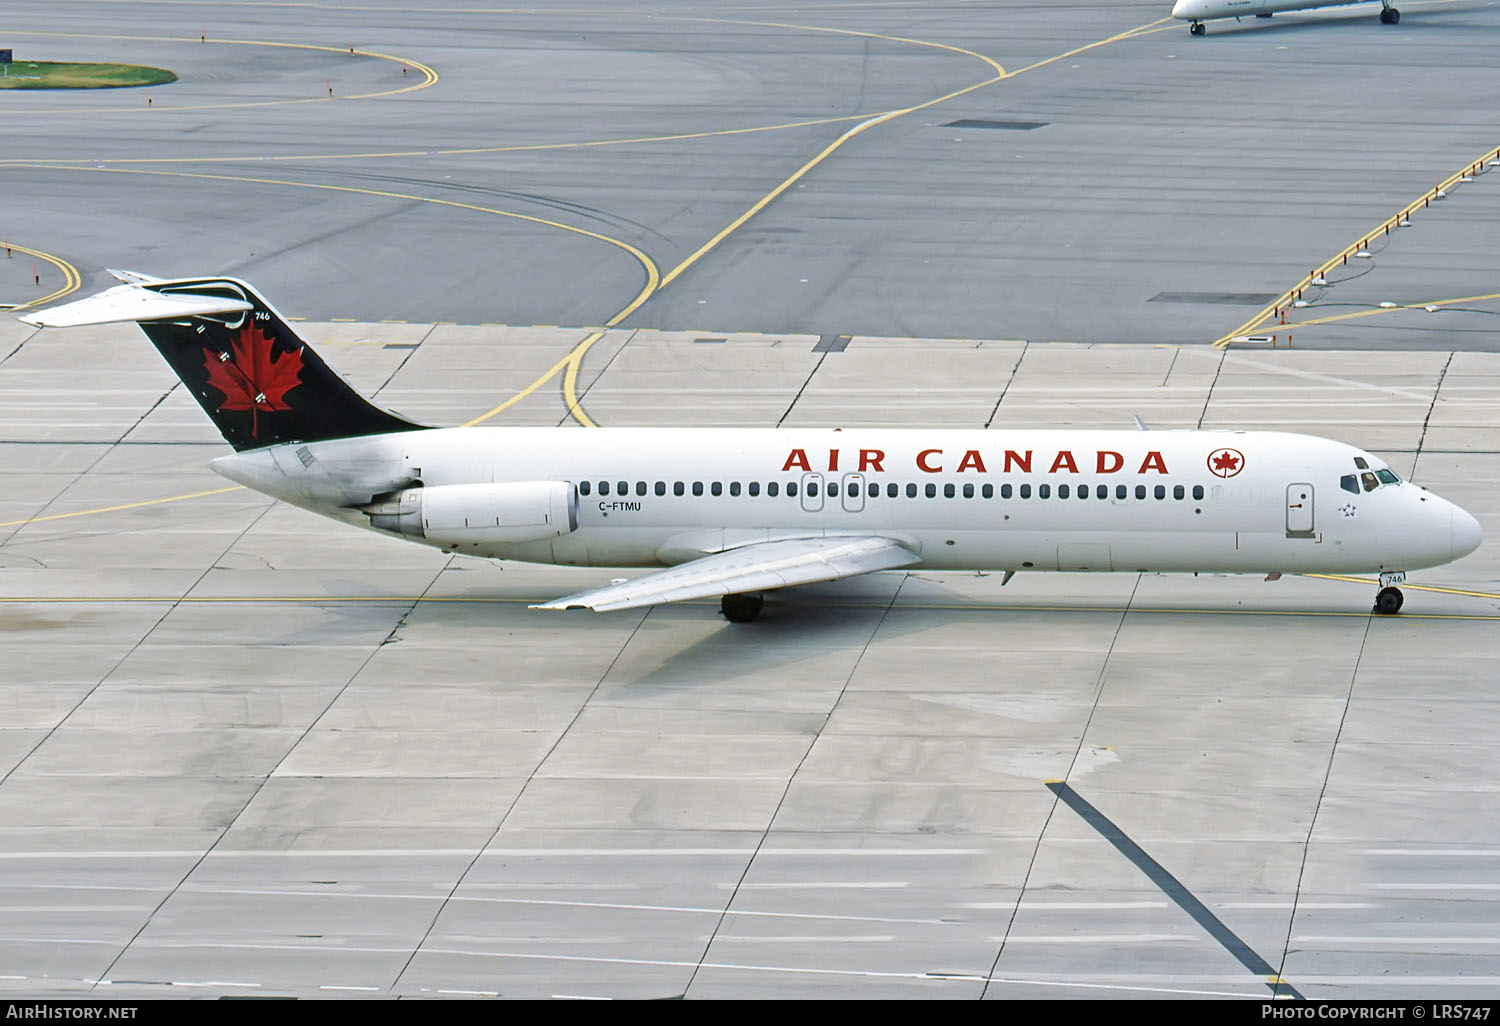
column 760, row 566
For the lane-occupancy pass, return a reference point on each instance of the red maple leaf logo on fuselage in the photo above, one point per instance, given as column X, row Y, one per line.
column 248, row 375
column 1225, row 462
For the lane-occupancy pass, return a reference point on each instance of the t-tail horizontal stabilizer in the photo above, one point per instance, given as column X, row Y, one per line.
column 258, row 382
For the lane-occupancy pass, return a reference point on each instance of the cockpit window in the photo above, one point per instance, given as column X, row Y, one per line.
column 1387, row 477
column 1359, row 461
column 1349, row 483
column 1369, row 481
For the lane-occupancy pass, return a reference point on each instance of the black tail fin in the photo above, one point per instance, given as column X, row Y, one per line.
column 258, row 382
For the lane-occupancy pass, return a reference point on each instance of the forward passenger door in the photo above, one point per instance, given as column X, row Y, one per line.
column 1299, row 509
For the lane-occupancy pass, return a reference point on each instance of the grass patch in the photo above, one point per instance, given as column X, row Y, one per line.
column 57, row 75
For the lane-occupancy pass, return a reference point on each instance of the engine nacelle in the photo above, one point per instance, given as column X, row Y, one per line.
column 518, row 511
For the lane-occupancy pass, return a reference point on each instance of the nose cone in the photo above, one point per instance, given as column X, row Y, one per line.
column 1466, row 533
column 1187, row 9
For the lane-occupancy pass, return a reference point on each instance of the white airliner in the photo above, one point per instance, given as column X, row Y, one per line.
column 1199, row 11
column 730, row 514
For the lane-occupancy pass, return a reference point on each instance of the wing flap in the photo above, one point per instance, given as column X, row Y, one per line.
column 132, row 302
column 762, row 566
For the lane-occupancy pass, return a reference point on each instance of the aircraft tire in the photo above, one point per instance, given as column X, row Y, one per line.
column 1388, row 602
column 741, row 608
column 1197, row 28
column 1390, row 16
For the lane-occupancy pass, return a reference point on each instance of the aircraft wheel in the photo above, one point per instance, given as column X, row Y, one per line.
column 1389, row 16
column 1388, row 601
column 744, row 608
column 1197, row 28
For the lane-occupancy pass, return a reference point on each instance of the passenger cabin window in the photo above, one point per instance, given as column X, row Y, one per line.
column 772, row 488
column 754, row 488
column 1044, row 491
column 791, row 490
column 697, row 487
column 734, row 488
column 1140, row 491
column 717, row 488
column 1121, row 491
column 930, row 491
column 584, row 488
column 1005, row 491
column 1197, row 491
column 988, row 491
column 1161, row 491
column 661, row 488
column 678, row 488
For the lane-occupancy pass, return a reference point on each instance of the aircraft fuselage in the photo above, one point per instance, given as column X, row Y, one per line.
column 971, row 500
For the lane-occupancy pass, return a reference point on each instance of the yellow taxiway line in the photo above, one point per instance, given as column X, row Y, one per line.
column 1342, row 256
column 125, row 505
column 71, row 277
column 458, row 152
column 573, row 362
column 1414, row 587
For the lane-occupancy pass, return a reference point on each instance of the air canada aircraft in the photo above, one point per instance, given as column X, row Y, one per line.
column 733, row 513
column 1198, row 11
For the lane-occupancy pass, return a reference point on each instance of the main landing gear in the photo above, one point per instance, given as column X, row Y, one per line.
column 1388, row 600
column 741, row 608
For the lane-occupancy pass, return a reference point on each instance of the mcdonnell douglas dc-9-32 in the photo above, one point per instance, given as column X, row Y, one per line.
column 1199, row 11
column 732, row 513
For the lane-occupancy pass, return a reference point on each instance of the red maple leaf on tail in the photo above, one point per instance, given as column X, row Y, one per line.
column 247, row 375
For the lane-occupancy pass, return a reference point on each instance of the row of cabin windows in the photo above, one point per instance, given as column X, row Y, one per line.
column 892, row 490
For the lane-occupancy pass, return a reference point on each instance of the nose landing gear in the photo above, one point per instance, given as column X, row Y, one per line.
column 1197, row 28
column 1388, row 14
column 1389, row 599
